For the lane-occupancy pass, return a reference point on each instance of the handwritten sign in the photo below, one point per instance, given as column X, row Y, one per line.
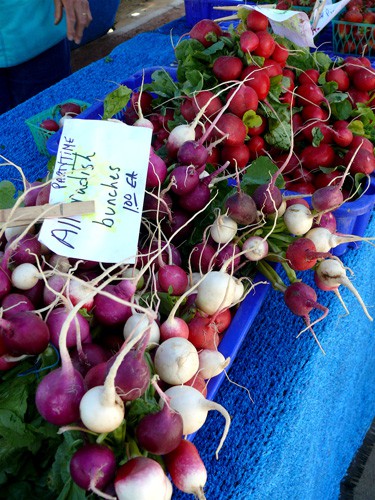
column 329, row 11
column 106, row 162
column 296, row 25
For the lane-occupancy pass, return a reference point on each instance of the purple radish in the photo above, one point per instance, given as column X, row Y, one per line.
column 184, row 179
column 27, row 249
column 14, row 303
column 156, row 171
column 25, row 333
column 107, row 310
column 5, row 283
column 192, row 153
column 161, row 432
column 78, row 331
column 242, row 208
column 301, row 299
column 87, row 356
column 93, row 467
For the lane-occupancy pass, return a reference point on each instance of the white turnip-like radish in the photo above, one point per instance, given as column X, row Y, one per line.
column 142, row 478
column 194, row 407
column 211, row 363
column 25, row 276
column 332, row 274
column 187, row 469
column 223, row 229
column 324, row 240
column 92, row 467
column 139, row 322
column 176, row 360
column 298, row 219
column 101, row 408
column 255, row 248
column 219, row 290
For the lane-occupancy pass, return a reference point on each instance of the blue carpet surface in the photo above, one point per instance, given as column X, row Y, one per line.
column 310, row 411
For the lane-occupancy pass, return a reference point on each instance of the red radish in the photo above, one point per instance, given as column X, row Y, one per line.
column 362, row 161
column 194, row 407
column 309, row 76
column 198, row 383
column 364, row 79
column 187, row 469
column 256, row 21
column 172, row 279
column 241, row 100
column 280, row 54
column 249, row 41
column 92, row 467
column 362, row 143
column 301, row 299
column 206, row 32
column 313, row 157
column 70, row 108
column 231, row 128
column 50, row 125
column 227, row 68
column 342, row 135
column 309, row 93
column 258, row 79
column 301, row 254
column 339, row 76
column 142, row 478
column 238, row 156
column 332, row 274
column 266, row 44
column 173, row 327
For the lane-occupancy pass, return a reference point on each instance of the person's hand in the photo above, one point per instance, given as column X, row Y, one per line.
column 78, row 17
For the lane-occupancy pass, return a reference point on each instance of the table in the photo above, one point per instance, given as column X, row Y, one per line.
column 309, row 412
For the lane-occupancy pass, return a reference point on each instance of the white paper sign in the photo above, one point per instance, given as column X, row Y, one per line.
column 291, row 24
column 329, row 11
column 106, row 162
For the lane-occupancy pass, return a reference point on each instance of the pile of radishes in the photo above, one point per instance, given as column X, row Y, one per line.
column 138, row 344
column 63, row 112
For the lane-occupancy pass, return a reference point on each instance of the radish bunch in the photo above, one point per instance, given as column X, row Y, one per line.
column 136, row 345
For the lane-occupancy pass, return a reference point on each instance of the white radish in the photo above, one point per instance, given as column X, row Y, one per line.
column 224, row 229
column 298, row 219
column 332, row 274
column 193, row 408
column 142, row 478
column 211, row 363
column 218, row 290
column 101, row 408
column 11, row 232
column 176, row 360
column 140, row 322
column 25, row 276
column 324, row 240
column 255, row 248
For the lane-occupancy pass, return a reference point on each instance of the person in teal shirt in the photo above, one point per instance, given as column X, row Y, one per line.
column 35, row 37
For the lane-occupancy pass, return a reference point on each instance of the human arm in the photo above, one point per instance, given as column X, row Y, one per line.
column 78, row 17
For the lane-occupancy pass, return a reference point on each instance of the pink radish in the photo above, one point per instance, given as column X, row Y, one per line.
column 187, row 469
column 142, row 478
